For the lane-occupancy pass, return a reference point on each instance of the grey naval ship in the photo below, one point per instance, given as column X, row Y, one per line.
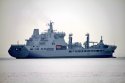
column 51, row 44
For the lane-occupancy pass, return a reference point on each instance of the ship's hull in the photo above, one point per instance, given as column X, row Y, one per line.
column 21, row 51
column 109, row 56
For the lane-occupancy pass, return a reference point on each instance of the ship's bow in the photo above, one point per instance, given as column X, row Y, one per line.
column 18, row 51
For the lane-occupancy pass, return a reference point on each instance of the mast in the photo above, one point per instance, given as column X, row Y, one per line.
column 50, row 30
column 87, row 41
column 50, row 27
column 70, row 41
column 101, row 41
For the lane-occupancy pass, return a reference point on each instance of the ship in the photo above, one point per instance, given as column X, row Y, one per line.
column 51, row 44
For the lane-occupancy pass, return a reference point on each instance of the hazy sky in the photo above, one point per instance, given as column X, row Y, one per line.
column 18, row 18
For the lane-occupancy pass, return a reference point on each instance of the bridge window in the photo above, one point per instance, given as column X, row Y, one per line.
column 49, row 49
column 31, row 48
column 88, row 50
column 60, row 47
column 70, row 51
column 37, row 48
column 53, row 43
column 99, row 50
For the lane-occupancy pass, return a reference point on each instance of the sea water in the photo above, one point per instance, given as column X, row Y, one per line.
column 63, row 70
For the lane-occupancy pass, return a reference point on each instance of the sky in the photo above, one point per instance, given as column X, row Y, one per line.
column 99, row 18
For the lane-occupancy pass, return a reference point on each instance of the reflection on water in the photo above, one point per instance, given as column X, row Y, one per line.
column 71, row 70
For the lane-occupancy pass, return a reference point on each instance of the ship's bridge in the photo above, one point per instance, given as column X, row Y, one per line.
column 59, row 35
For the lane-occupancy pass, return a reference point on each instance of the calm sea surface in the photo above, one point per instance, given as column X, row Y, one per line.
column 64, row 70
